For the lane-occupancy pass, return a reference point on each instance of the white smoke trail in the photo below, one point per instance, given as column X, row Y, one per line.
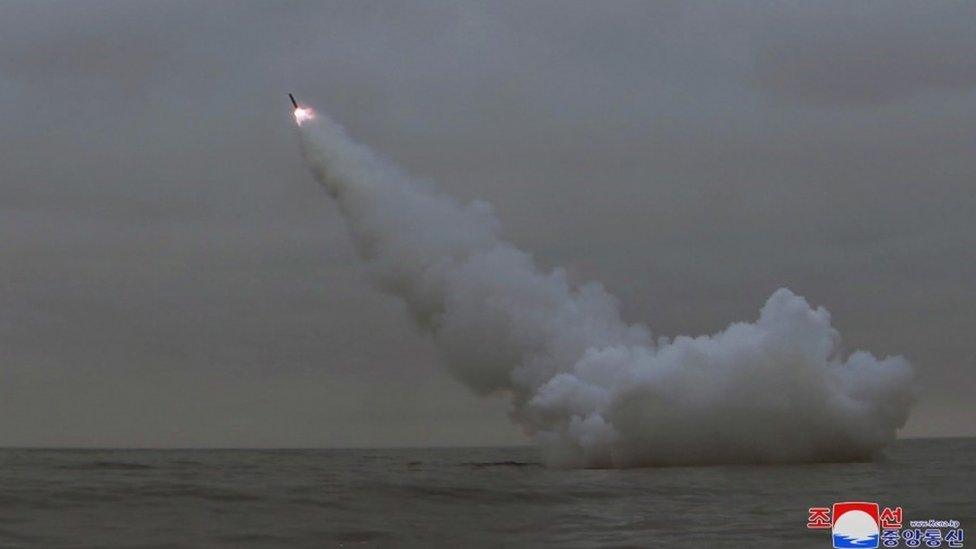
column 592, row 390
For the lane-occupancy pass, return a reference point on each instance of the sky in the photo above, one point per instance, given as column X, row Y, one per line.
column 171, row 276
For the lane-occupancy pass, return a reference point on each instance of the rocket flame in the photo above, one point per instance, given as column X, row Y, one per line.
column 303, row 114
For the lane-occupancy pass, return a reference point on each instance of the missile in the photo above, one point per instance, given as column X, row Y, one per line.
column 301, row 113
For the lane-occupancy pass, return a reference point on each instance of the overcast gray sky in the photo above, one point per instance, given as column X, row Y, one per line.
column 171, row 276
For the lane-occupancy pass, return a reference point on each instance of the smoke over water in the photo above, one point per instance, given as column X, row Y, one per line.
column 591, row 389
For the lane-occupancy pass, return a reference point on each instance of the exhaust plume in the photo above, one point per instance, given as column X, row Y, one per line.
column 589, row 388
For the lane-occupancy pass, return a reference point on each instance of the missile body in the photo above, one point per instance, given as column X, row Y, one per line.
column 293, row 102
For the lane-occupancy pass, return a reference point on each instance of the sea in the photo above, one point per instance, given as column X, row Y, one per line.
column 453, row 497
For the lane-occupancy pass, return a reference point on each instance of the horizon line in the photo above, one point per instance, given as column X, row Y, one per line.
column 320, row 448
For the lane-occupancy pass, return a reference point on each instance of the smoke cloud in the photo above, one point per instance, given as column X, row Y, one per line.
column 591, row 389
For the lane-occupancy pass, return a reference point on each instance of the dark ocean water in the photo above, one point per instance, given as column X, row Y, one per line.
column 450, row 497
